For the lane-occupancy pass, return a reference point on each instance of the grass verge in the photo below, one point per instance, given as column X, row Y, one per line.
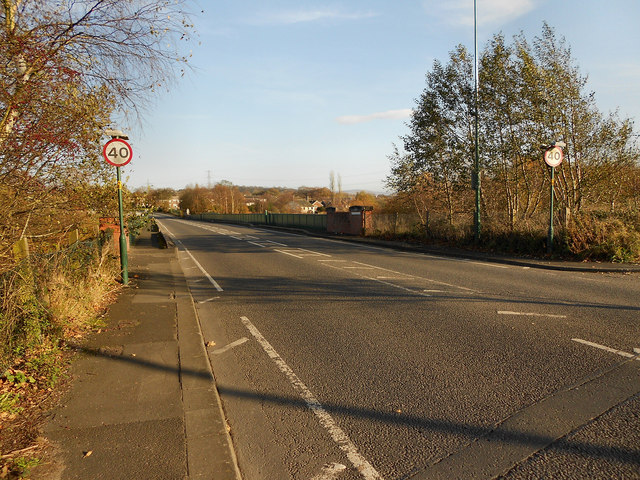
column 45, row 300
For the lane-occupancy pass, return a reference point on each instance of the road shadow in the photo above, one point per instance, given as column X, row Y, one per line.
column 493, row 433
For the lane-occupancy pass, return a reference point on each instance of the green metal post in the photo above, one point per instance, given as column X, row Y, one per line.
column 123, row 239
column 550, row 236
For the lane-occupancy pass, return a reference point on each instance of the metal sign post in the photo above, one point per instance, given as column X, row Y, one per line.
column 118, row 153
column 553, row 158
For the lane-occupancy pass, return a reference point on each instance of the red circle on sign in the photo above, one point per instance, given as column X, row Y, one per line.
column 553, row 157
column 117, row 152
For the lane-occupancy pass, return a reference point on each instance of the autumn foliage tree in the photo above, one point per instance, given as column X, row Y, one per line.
column 66, row 68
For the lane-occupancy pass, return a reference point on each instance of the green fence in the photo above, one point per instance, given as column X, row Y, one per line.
column 295, row 220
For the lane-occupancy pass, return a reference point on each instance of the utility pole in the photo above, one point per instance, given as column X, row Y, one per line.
column 476, row 162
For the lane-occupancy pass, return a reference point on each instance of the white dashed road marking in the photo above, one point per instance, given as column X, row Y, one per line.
column 607, row 349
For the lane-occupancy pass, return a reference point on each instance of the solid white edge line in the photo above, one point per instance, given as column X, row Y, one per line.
column 213, row 282
column 606, row 349
column 337, row 434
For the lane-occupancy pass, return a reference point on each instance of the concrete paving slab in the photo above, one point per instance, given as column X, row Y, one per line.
column 143, row 399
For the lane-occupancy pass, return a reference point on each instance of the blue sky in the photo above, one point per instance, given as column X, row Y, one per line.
column 284, row 92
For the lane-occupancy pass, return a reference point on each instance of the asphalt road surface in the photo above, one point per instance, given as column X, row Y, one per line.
column 344, row 361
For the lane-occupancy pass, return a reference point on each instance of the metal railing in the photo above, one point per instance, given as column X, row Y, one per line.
column 294, row 220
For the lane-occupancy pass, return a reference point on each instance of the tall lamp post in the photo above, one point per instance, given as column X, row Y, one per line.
column 118, row 153
column 475, row 175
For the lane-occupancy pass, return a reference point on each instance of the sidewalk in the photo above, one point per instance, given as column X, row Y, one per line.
column 143, row 402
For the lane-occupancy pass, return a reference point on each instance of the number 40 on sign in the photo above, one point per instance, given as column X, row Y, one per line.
column 117, row 152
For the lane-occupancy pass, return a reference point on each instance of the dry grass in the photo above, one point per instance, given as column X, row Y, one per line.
column 46, row 300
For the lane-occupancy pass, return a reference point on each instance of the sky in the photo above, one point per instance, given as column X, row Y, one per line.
column 283, row 92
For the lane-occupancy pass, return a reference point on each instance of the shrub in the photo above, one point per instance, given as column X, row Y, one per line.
column 49, row 297
column 600, row 236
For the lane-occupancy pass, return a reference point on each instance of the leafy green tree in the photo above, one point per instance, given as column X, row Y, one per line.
column 530, row 94
column 441, row 138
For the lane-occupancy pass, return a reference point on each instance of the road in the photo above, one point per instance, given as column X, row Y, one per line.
column 345, row 361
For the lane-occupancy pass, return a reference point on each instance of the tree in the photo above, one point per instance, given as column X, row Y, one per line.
column 441, row 138
column 226, row 198
column 66, row 68
column 332, row 186
column 196, row 199
column 530, row 94
column 365, row 199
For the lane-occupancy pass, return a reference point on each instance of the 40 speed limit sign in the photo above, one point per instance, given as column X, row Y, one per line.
column 117, row 152
column 553, row 157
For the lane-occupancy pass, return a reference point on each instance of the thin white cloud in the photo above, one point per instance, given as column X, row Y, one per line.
column 388, row 115
column 490, row 12
column 306, row 16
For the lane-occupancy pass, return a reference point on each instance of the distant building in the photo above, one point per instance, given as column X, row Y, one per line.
column 304, row 206
column 251, row 201
column 172, row 203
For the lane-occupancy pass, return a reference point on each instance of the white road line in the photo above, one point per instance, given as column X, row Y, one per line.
column 406, row 275
column 237, row 238
column 330, row 471
column 208, row 300
column 415, row 292
column 337, row 434
column 373, row 279
column 465, row 260
column 230, row 346
column 385, row 269
column 213, row 282
column 287, row 253
column 257, row 244
column 530, row 314
column 360, row 268
column 314, row 253
column 274, row 243
column 606, row 349
column 331, row 260
column 487, row 264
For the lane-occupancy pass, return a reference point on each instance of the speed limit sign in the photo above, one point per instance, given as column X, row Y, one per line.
column 117, row 152
column 553, row 156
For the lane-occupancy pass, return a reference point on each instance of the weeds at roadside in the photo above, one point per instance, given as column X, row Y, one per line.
column 19, row 467
column 43, row 301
